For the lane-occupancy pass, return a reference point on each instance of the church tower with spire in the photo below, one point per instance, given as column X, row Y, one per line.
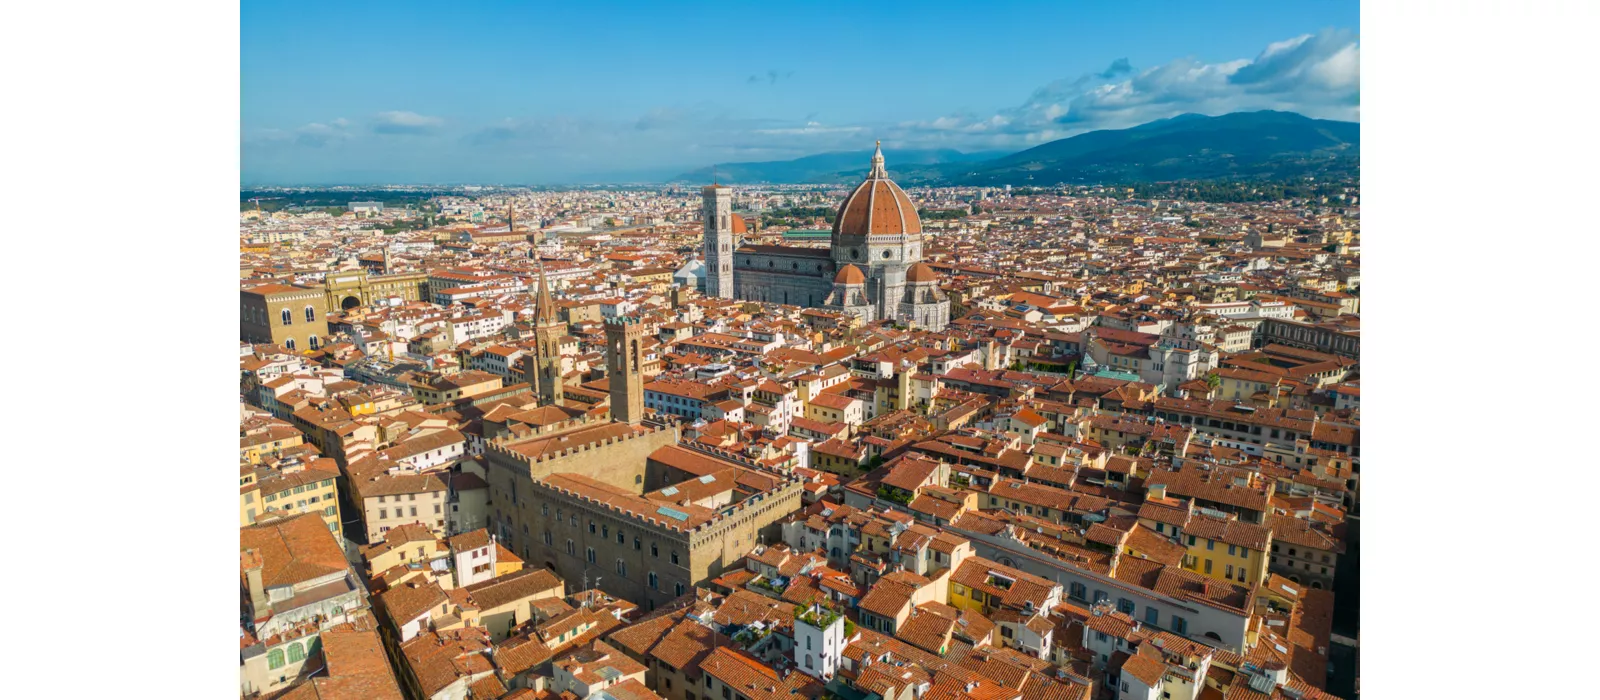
column 542, row 369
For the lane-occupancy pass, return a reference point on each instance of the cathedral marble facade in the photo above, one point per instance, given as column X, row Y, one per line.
column 872, row 268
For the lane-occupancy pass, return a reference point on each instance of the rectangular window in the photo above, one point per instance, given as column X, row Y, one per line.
column 383, row 513
column 1231, row 551
column 1152, row 616
column 1180, row 625
column 1210, row 545
column 1208, row 566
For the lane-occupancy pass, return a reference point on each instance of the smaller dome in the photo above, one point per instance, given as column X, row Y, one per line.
column 850, row 274
column 739, row 225
column 920, row 272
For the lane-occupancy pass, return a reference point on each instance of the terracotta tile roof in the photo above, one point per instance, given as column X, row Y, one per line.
column 292, row 550
column 517, row 585
column 408, row 601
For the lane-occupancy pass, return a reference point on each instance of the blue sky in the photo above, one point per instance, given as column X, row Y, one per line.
column 538, row 92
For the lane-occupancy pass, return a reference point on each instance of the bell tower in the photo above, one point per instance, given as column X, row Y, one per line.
column 718, row 247
column 542, row 370
column 624, row 368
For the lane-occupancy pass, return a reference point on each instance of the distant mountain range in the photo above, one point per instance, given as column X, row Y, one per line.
column 1242, row 145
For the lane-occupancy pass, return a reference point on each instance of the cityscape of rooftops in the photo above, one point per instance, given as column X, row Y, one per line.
column 741, row 352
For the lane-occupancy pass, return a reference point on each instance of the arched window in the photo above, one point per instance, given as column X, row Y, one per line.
column 288, row 318
column 297, row 652
column 312, row 341
column 289, row 343
column 311, row 314
column 275, row 659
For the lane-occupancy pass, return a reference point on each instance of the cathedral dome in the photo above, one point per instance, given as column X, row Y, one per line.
column 739, row 225
column 920, row 272
column 850, row 274
column 877, row 207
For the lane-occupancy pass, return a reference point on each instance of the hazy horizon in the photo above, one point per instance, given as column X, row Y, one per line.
column 512, row 94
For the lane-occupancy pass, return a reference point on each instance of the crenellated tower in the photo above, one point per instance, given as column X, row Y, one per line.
column 625, row 368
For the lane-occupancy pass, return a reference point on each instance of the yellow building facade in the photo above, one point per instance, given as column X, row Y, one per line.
column 310, row 489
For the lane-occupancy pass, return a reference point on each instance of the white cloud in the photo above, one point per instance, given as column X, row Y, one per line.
column 402, row 122
column 1318, row 75
column 810, row 129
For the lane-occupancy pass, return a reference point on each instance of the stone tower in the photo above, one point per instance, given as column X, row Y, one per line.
column 624, row 368
column 543, row 369
column 718, row 240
